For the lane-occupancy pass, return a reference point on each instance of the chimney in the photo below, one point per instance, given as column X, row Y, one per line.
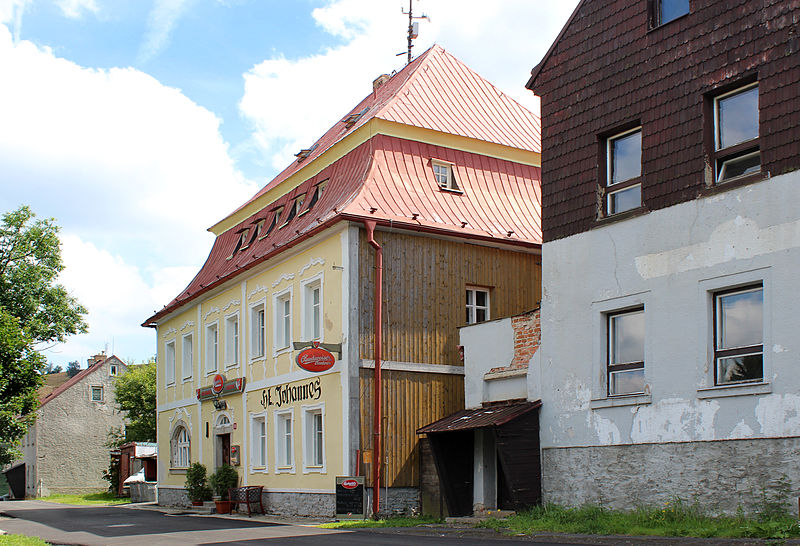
column 95, row 359
column 380, row 80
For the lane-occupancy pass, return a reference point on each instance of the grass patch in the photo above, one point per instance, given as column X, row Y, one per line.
column 100, row 498
column 676, row 518
column 388, row 522
column 21, row 540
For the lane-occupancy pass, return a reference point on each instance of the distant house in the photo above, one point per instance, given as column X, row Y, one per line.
column 420, row 206
column 670, row 185
column 64, row 451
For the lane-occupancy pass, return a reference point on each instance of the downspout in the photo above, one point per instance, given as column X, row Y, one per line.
column 376, row 387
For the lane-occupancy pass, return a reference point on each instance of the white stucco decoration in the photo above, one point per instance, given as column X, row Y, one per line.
column 283, row 277
column 230, row 304
column 210, row 312
column 674, row 420
column 169, row 332
column 187, row 324
column 737, row 239
column 181, row 416
column 258, row 289
column 311, row 262
column 779, row 415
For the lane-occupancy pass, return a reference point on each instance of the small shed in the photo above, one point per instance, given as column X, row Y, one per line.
column 495, row 449
column 135, row 456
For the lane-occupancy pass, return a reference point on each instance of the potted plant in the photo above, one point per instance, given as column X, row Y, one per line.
column 221, row 481
column 196, row 485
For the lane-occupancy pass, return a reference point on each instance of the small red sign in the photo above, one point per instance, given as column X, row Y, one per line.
column 315, row 359
column 349, row 484
column 218, row 383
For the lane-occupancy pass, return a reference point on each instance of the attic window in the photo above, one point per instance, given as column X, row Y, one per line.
column 275, row 219
column 664, row 11
column 351, row 120
column 240, row 242
column 299, row 205
column 304, row 153
column 293, row 210
column 112, row 369
column 444, row 175
column 317, row 193
column 256, row 230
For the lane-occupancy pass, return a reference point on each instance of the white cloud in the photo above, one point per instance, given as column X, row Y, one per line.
column 291, row 102
column 11, row 12
column 125, row 164
column 75, row 8
column 160, row 23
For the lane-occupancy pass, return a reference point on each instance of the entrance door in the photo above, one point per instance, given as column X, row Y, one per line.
column 223, row 449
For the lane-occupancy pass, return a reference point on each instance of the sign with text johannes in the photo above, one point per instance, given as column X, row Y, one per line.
column 315, row 359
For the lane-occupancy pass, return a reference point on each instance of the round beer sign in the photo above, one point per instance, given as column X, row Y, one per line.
column 218, row 383
column 315, row 359
column 350, row 484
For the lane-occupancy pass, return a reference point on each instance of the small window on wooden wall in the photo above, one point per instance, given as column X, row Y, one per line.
column 735, row 126
column 477, row 305
column 623, row 172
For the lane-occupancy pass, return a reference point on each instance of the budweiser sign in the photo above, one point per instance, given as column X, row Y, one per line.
column 315, row 359
column 350, row 484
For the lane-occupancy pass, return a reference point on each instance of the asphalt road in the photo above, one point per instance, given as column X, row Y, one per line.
column 92, row 525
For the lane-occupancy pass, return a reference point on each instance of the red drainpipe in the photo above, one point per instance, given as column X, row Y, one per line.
column 377, row 389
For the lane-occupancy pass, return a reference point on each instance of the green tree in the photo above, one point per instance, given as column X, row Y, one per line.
column 30, row 261
column 20, row 376
column 73, row 368
column 135, row 393
column 52, row 368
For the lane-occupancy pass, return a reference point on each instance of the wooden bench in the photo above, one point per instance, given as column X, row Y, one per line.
column 249, row 495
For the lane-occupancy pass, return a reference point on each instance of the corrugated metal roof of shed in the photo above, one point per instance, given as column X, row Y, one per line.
column 490, row 416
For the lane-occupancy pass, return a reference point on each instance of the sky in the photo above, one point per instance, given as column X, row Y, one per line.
column 137, row 124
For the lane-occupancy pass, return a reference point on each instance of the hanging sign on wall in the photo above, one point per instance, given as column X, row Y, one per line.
column 315, row 359
column 220, row 386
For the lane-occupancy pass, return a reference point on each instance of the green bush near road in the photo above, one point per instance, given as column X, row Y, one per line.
column 21, row 540
column 675, row 518
column 388, row 522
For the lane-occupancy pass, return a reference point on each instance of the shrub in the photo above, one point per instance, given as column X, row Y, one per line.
column 223, row 479
column 196, row 484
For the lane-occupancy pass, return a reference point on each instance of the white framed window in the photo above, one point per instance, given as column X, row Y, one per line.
column 97, row 393
column 187, row 355
column 623, row 172
column 258, row 330
column 259, row 443
column 736, row 147
column 312, row 309
column 284, row 441
column 477, row 305
column 283, row 321
column 169, row 362
column 625, row 344
column 180, row 447
column 112, row 370
column 314, row 438
column 232, row 340
column 739, row 335
column 444, row 174
column 212, row 348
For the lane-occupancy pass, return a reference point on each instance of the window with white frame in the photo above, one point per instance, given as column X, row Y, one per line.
column 477, row 305
column 664, row 11
column 232, row 340
column 97, row 393
column 180, row 447
column 739, row 335
column 257, row 330
column 169, row 362
column 112, row 370
column 736, row 148
column 623, row 172
column 312, row 312
column 187, row 354
column 444, row 175
column 212, row 346
column 283, row 321
column 284, row 444
column 625, row 344
column 259, row 442
column 314, row 439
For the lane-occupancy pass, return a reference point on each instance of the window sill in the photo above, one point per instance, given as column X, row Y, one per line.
column 233, row 365
column 314, row 470
column 177, row 471
column 451, row 190
column 187, row 380
column 742, row 389
column 638, row 211
column 284, row 470
column 282, row 350
column 620, row 401
column 733, row 183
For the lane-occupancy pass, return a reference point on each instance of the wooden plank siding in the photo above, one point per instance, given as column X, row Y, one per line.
column 410, row 401
column 424, row 282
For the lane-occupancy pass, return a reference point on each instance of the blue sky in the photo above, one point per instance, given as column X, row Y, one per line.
column 139, row 123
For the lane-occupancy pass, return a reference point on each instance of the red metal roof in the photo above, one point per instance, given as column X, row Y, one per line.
column 390, row 180
column 490, row 416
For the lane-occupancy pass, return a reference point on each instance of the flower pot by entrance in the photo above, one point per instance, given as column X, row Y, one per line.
column 223, row 506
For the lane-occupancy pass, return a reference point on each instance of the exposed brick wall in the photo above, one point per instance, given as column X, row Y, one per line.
column 527, row 338
column 609, row 69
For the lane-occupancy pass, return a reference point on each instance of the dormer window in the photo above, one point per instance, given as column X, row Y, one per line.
column 291, row 214
column 304, row 153
column 298, row 205
column 351, row 120
column 241, row 242
column 443, row 173
column 275, row 219
column 664, row 11
column 257, row 226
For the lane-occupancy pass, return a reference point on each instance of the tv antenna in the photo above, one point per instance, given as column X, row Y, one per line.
column 413, row 28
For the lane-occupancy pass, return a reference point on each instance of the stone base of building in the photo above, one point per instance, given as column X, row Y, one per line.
column 720, row 476
column 398, row 500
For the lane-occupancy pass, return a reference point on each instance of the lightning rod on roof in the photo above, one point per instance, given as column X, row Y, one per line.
column 413, row 28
